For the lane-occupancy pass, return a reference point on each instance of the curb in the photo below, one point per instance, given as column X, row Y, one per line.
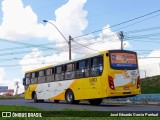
column 132, row 102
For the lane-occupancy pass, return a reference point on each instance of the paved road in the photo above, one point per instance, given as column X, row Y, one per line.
column 47, row 105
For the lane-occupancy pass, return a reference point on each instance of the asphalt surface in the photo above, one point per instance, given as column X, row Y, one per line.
column 84, row 105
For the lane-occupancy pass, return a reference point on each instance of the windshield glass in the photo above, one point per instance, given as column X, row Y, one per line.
column 123, row 60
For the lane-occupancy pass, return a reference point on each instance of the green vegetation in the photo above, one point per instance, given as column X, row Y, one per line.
column 85, row 118
column 12, row 97
column 23, row 109
column 150, row 85
column 18, row 108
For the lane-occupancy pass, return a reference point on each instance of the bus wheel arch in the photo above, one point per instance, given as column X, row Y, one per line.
column 70, row 98
column 34, row 96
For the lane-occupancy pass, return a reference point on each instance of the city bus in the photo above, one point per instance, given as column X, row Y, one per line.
column 107, row 74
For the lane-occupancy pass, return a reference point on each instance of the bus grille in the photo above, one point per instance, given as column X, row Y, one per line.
column 126, row 92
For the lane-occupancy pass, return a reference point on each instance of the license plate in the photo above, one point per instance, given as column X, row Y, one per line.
column 126, row 88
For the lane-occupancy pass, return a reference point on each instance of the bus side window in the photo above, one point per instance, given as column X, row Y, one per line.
column 34, row 78
column 28, row 75
column 101, row 64
column 59, row 73
column 96, row 66
column 41, row 76
column 70, row 71
column 82, row 68
column 50, row 75
column 87, row 68
column 27, row 79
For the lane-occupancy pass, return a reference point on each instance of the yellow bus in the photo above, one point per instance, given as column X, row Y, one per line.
column 111, row 73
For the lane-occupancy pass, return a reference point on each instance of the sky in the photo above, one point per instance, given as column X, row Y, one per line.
column 26, row 42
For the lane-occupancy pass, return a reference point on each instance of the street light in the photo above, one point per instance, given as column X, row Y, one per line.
column 68, row 41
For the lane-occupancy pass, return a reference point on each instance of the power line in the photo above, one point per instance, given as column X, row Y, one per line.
column 125, row 26
column 85, row 46
column 144, row 35
column 22, row 43
column 119, row 23
column 26, row 44
column 143, row 30
column 85, row 34
column 95, row 37
column 26, row 47
column 16, row 65
column 137, row 22
column 141, row 40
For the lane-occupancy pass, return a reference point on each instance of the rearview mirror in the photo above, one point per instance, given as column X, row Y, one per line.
column 24, row 81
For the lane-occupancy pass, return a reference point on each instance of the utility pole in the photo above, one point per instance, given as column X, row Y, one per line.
column 145, row 73
column 17, row 86
column 121, row 37
column 69, row 43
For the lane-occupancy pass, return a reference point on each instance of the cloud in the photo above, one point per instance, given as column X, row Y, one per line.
column 105, row 40
column 32, row 60
column 10, row 83
column 110, row 40
column 150, row 65
column 70, row 20
column 36, row 59
column 19, row 22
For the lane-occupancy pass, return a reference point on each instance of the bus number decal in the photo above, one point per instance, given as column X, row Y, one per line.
column 126, row 75
column 92, row 81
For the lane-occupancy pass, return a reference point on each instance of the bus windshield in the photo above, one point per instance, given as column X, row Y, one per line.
column 123, row 60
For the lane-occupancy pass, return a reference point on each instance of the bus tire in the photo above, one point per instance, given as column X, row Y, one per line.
column 35, row 98
column 95, row 101
column 56, row 101
column 69, row 97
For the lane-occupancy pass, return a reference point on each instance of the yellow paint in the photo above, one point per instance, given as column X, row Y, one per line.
column 58, row 97
column 61, row 96
column 28, row 92
column 74, row 83
column 130, row 84
column 92, row 87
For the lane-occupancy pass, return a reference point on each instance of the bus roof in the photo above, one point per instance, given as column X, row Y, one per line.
column 70, row 61
column 65, row 62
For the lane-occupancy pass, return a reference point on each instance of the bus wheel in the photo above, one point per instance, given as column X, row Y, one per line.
column 35, row 98
column 56, row 101
column 95, row 101
column 69, row 96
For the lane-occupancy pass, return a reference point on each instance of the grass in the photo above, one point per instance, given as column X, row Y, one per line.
column 23, row 109
column 150, row 85
column 86, row 118
column 18, row 108
column 11, row 97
